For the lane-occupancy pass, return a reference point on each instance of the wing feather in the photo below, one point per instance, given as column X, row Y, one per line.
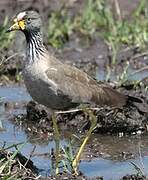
column 81, row 88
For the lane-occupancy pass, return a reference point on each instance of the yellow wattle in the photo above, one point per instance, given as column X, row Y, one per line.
column 22, row 24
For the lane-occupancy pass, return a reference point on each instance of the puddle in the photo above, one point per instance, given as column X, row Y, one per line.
column 108, row 162
column 109, row 169
column 14, row 94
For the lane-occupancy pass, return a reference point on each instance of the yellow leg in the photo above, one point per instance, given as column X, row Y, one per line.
column 93, row 120
column 57, row 142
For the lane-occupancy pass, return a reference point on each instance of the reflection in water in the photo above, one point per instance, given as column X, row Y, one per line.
column 112, row 154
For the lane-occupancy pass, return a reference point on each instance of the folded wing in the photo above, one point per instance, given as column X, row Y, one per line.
column 81, row 88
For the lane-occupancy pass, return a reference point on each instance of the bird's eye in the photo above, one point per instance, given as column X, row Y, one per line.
column 29, row 20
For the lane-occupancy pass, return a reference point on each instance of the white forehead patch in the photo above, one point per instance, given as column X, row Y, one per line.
column 21, row 15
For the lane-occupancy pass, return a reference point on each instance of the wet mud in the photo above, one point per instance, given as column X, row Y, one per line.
column 35, row 121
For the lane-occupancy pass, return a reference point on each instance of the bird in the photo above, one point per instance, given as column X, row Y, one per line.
column 57, row 85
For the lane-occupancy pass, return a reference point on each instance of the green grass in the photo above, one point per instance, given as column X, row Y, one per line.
column 7, row 163
column 133, row 32
column 139, row 170
column 68, row 157
column 97, row 18
column 59, row 28
column 5, row 38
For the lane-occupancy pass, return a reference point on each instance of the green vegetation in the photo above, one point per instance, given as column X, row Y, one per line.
column 138, row 169
column 5, row 38
column 60, row 28
column 68, row 157
column 7, row 161
column 98, row 18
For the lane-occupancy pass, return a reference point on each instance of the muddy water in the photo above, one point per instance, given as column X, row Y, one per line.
column 107, row 156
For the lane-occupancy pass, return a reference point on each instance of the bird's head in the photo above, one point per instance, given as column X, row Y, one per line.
column 26, row 21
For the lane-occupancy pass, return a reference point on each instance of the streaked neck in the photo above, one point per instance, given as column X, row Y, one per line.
column 35, row 48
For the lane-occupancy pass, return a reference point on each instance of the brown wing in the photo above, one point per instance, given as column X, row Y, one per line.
column 81, row 88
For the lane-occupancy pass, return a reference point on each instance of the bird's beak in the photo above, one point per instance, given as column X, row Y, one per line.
column 17, row 25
